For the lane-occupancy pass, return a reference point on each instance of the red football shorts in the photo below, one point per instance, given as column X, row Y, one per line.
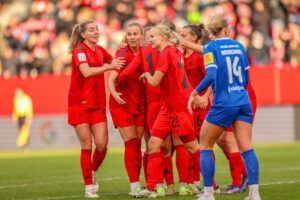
column 122, row 118
column 199, row 117
column 178, row 123
column 79, row 115
column 152, row 112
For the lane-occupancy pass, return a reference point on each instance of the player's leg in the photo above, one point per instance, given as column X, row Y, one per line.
column 208, row 136
column 100, row 135
column 84, row 134
column 228, row 144
column 131, row 156
column 243, row 132
column 168, row 166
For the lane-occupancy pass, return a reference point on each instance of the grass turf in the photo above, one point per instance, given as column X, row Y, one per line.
column 55, row 174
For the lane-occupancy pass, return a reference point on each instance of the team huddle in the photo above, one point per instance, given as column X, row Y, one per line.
column 160, row 82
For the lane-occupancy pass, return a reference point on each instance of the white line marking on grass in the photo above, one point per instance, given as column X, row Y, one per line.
column 58, row 182
column 279, row 183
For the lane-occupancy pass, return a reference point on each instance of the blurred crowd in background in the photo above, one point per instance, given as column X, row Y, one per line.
column 34, row 34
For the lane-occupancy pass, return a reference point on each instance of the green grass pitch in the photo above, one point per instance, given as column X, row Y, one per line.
column 55, row 174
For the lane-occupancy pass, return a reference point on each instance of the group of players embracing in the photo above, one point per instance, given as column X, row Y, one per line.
column 161, row 81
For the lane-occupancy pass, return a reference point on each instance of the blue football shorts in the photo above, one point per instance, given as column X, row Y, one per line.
column 225, row 116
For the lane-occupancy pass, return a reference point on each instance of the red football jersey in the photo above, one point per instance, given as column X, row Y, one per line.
column 195, row 70
column 251, row 91
column 145, row 61
column 88, row 92
column 194, row 67
column 132, row 89
column 175, row 85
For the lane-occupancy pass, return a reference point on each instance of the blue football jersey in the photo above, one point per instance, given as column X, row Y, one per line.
column 230, row 59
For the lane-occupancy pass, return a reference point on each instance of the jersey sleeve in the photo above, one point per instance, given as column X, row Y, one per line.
column 163, row 62
column 107, row 57
column 202, row 68
column 246, row 65
column 79, row 56
column 134, row 66
column 121, row 53
column 209, row 57
column 207, row 80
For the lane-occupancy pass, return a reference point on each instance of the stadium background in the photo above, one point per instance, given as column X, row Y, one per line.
column 34, row 56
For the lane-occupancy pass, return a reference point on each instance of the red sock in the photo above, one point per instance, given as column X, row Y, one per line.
column 140, row 157
column 86, row 166
column 235, row 168
column 145, row 164
column 196, row 160
column 191, row 170
column 182, row 163
column 98, row 158
column 243, row 168
column 226, row 153
column 168, row 172
column 154, row 163
column 131, row 158
column 162, row 166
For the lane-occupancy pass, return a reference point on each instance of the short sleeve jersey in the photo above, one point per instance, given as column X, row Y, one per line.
column 88, row 92
column 132, row 89
column 194, row 67
column 230, row 59
column 150, row 60
column 175, row 85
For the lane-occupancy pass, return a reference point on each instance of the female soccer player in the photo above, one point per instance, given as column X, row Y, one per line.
column 227, row 141
column 87, row 99
column 194, row 67
column 227, row 68
column 146, row 61
column 127, row 106
column 173, row 116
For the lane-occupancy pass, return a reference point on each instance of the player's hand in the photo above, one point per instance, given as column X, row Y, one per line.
column 117, row 63
column 178, row 36
column 117, row 97
column 144, row 76
column 191, row 100
column 201, row 102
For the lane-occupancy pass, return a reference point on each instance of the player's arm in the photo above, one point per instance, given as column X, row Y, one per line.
column 190, row 45
column 134, row 66
column 112, row 79
column 153, row 80
column 88, row 71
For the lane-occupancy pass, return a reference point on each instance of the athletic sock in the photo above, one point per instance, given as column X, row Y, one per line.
column 98, row 158
column 252, row 166
column 168, row 172
column 207, row 167
column 86, row 166
column 131, row 158
column 154, row 163
column 182, row 163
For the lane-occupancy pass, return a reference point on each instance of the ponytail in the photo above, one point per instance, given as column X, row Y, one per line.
column 76, row 37
column 196, row 30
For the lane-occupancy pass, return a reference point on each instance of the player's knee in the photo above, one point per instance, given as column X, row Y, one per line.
column 153, row 146
column 86, row 144
column 101, row 146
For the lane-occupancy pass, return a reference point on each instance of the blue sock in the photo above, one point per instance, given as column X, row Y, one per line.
column 252, row 166
column 207, row 164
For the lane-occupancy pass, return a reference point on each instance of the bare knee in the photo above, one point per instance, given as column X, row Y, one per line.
column 101, row 146
column 86, row 144
column 153, row 146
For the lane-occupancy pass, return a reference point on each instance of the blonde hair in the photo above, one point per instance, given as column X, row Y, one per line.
column 130, row 24
column 216, row 24
column 76, row 37
column 168, row 32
